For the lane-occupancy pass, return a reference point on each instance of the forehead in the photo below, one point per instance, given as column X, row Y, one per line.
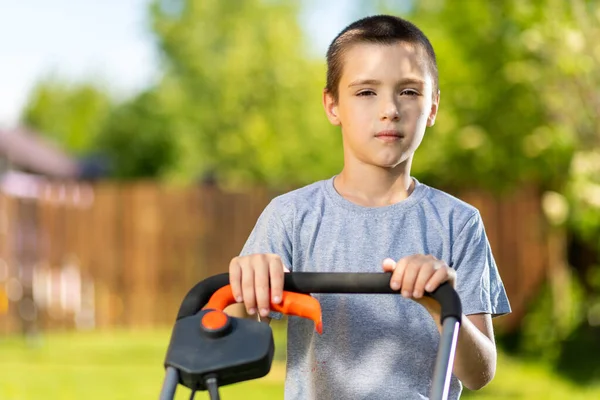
column 385, row 62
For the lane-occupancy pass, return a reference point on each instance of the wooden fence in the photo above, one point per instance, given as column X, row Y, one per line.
column 113, row 255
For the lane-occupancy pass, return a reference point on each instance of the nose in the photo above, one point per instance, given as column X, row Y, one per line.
column 389, row 111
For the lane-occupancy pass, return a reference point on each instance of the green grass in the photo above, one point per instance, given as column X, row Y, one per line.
column 517, row 379
column 115, row 365
column 128, row 365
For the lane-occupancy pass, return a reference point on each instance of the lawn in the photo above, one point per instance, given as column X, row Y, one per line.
column 127, row 365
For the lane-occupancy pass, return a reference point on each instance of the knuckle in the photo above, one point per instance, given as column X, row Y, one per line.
column 245, row 263
column 234, row 266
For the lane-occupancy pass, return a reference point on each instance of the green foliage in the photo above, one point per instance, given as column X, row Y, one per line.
column 70, row 114
column 550, row 320
column 583, row 192
column 138, row 139
column 245, row 96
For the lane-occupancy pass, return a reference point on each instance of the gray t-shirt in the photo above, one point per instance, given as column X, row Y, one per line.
column 373, row 346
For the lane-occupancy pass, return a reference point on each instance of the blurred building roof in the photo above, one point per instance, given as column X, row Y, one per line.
column 24, row 150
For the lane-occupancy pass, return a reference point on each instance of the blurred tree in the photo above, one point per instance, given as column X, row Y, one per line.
column 71, row 114
column 571, row 92
column 137, row 138
column 245, row 96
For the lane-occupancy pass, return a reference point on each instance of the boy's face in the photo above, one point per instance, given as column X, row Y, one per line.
column 385, row 102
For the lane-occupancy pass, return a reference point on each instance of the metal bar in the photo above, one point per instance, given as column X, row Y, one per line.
column 169, row 384
column 445, row 359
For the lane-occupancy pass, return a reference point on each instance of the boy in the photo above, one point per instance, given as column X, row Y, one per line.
column 382, row 90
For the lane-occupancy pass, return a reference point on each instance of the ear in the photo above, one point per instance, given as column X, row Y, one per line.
column 331, row 109
column 434, row 109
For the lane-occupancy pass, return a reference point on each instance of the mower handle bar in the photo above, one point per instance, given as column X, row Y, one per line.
column 324, row 282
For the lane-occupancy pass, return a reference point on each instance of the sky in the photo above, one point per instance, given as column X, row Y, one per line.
column 106, row 40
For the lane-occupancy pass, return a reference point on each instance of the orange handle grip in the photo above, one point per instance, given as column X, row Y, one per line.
column 301, row 305
column 292, row 303
column 220, row 299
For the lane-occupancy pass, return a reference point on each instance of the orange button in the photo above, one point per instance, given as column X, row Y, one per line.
column 214, row 320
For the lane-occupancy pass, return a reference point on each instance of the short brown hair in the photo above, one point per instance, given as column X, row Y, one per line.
column 378, row 29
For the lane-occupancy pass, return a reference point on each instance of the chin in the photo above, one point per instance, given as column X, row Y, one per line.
column 388, row 165
column 390, row 161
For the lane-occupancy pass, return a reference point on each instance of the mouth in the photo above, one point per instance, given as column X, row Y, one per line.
column 389, row 135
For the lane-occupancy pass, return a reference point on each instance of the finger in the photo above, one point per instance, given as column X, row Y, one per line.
column 261, row 287
column 235, row 278
column 276, row 270
column 388, row 265
column 248, row 286
column 426, row 271
column 398, row 274
column 410, row 276
column 440, row 276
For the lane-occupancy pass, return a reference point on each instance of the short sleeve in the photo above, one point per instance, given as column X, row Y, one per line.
column 269, row 235
column 478, row 281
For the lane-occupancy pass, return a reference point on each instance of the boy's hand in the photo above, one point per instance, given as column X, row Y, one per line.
column 249, row 277
column 415, row 274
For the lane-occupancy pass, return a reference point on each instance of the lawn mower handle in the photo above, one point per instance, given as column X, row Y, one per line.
column 323, row 282
column 339, row 282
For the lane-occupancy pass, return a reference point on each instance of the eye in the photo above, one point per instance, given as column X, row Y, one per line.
column 366, row 93
column 409, row 92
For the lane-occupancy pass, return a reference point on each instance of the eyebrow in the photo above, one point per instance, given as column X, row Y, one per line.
column 375, row 82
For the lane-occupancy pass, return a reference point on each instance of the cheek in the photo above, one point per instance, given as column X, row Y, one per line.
column 356, row 113
column 415, row 112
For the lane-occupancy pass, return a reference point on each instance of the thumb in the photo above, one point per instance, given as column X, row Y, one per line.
column 389, row 265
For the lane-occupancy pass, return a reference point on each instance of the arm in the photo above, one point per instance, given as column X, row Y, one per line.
column 475, row 358
column 478, row 283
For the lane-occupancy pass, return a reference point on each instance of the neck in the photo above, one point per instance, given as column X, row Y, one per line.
column 373, row 186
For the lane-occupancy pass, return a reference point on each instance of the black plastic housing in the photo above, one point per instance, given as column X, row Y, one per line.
column 244, row 353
